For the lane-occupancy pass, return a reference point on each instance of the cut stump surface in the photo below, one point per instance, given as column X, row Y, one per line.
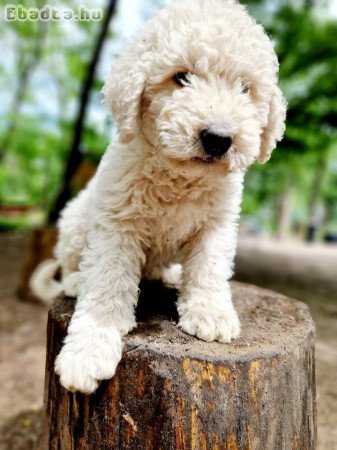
column 173, row 391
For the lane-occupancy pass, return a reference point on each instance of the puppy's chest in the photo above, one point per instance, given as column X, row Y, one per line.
column 168, row 215
column 175, row 222
column 179, row 220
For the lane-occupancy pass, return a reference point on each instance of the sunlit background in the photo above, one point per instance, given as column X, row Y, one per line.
column 44, row 65
column 54, row 129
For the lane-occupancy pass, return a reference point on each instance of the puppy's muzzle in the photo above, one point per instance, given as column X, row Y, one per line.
column 215, row 145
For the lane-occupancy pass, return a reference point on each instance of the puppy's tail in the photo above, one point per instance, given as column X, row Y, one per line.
column 42, row 282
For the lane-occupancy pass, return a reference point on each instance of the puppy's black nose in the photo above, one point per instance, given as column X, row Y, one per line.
column 214, row 144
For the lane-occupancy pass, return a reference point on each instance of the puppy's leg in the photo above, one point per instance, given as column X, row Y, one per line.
column 108, row 292
column 205, row 306
column 72, row 234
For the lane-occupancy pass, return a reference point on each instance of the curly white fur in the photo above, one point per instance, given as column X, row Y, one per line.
column 156, row 199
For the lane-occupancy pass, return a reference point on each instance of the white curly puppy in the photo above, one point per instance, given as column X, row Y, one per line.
column 196, row 101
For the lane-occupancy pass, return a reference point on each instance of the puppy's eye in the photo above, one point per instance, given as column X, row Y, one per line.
column 245, row 88
column 181, row 78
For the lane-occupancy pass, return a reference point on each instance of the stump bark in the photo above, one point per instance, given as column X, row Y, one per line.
column 173, row 391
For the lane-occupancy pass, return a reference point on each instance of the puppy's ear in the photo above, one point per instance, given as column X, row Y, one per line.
column 123, row 91
column 273, row 131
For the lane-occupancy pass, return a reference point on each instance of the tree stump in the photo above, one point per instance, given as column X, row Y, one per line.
column 173, row 391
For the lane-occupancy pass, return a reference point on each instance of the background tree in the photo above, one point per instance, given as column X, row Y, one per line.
column 75, row 155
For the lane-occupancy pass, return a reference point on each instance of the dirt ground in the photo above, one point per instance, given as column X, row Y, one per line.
column 308, row 273
column 22, row 353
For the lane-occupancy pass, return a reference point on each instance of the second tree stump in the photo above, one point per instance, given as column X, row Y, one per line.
column 173, row 391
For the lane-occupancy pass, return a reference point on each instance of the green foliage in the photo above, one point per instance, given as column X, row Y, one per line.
column 38, row 137
column 35, row 133
column 32, row 170
column 308, row 59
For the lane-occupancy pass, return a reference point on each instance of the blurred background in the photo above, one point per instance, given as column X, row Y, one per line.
column 54, row 129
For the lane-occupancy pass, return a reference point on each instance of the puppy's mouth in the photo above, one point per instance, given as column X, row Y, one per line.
column 206, row 160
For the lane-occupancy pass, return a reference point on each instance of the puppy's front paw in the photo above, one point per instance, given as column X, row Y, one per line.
column 209, row 324
column 88, row 357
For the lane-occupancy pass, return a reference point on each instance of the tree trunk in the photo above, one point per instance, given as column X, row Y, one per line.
column 283, row 215
column 173, row 391
column 75, row 155
column 315, row 217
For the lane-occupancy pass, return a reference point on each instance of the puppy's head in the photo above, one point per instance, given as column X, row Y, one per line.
column 200, row 85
